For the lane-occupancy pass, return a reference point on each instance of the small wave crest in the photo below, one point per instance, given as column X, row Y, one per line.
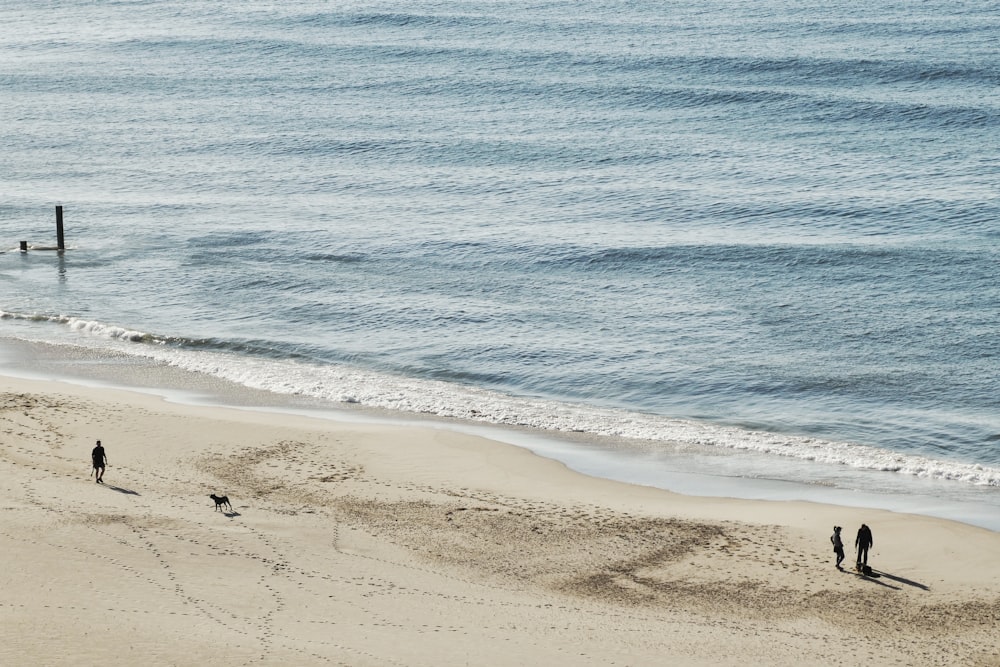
column 97, row 329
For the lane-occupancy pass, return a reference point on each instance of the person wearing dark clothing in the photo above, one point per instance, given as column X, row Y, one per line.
column 862, row 543
column 838, row 545
column 100, row 460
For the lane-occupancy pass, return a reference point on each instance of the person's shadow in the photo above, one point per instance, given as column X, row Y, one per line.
column 902, row 580
column 874, row 577
column 119, row 489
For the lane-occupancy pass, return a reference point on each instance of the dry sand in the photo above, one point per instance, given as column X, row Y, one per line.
column 358, row 544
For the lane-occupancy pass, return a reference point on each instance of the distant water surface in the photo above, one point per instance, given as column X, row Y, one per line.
column 765, row 228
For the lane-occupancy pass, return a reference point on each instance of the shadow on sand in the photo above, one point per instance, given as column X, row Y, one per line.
column 120, row 489
column 874, row 578
column 908, row 582
column 877, row 575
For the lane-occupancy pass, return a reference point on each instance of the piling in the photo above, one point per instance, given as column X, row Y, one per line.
column 60, row 241
column 24, row 246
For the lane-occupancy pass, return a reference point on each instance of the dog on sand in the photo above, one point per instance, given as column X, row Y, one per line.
column 221, row 502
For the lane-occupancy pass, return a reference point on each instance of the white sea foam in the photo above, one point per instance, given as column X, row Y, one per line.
column 98, row 329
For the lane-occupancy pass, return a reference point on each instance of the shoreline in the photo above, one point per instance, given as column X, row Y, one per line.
column 374, row 544
column 712, row 472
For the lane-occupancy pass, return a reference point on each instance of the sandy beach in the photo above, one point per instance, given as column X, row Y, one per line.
column 371, row 544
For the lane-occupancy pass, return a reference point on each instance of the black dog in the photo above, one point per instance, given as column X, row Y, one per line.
column 220, row 501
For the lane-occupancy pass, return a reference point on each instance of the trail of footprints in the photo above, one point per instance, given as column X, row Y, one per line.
column 259, row 630
column 300, row 463
column 292, row 478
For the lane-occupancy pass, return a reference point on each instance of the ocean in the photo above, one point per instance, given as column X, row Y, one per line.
column 729, row 248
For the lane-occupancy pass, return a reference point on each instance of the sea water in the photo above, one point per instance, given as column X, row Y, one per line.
column 713, row 242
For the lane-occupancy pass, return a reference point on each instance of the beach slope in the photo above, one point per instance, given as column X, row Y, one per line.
column 371, row 544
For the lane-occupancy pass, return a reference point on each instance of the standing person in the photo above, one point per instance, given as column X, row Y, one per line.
column 838, row 545
column 100, row 460
column 862, row 543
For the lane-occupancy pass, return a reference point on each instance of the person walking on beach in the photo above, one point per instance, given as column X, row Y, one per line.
column 838, row 545
column 862, row 543
column 100, row 460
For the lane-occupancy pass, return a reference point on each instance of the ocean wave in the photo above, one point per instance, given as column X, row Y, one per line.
column 96, row 329
column 813, row 71
column 241, row 363
column 857, row 258
column 343, row 19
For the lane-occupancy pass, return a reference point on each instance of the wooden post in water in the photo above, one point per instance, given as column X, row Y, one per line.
column 60, row 241
column 24, row 246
